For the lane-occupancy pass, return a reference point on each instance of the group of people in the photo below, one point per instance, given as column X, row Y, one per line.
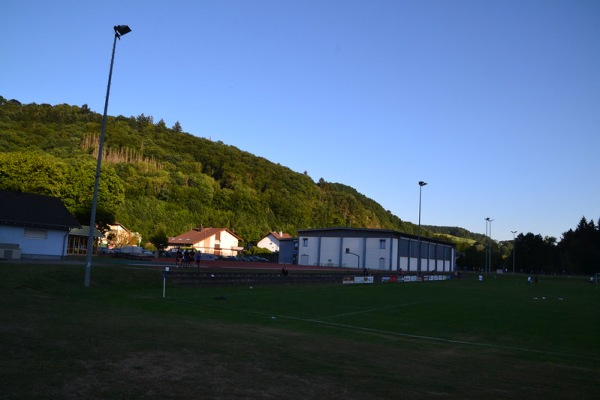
column 186, row 258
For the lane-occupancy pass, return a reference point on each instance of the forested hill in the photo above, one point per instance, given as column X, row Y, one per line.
column 160, row 179
column 456, row 232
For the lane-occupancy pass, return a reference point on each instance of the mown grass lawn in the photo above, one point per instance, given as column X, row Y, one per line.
column 455, row 339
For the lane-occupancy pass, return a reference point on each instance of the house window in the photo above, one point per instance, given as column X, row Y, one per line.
column 382, row 243
column 304, row 242
column 36, row 233
column 381, row 263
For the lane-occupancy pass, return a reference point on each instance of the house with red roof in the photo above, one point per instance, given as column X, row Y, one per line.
column 216, row 241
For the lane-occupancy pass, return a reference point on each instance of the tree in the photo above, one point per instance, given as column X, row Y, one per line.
column 472, row 257
column 36, row 173
column 580, row 249
column 177, row 127
column 159, row 240
column 535, row 254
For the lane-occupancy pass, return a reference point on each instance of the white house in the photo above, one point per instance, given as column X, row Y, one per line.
column 377, row 249
column 118, row 236
column 272, row 241
column 34, row 226
column 216, row 241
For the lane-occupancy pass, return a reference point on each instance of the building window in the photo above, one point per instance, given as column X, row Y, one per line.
column 404, row 247
column 382, row 243
column 304, row 242
column 381, row 263
column 36, row 233
column 414, row 248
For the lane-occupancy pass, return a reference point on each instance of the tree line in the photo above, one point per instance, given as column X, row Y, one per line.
column 578, row 252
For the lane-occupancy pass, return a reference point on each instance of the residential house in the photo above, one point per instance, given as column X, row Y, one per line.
column 33, row 225
column 216, row 241
column 272, row 241
column 118, row 236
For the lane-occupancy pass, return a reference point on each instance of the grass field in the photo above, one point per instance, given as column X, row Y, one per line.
column 119, row 339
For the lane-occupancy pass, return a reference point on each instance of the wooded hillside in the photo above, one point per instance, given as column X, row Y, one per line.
column 157, row 179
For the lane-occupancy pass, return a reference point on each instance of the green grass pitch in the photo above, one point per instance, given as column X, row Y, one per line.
column 120, row 338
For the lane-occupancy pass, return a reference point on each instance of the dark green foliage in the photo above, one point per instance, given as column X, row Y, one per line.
column 579, row 250
column 71, row 180
column 577, row 253
column 155, row 177
column 455, row 231
column 535, row 254
column 159, row 240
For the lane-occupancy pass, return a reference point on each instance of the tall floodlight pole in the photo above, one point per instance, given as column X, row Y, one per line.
column 514, row 249
column 421, row 184
column 120, row 30
column 485, row 267
column 489, row 249
column 491, row 245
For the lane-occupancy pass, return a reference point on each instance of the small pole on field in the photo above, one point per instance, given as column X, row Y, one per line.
column 165, row 280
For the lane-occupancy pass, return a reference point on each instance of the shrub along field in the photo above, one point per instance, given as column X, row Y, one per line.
column 120, row 338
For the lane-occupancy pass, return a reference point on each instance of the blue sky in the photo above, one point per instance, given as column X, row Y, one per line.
column 496, row 104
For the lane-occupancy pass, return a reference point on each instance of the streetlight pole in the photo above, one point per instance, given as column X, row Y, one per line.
column 485, row 267
column 488, row 255
column 491, row 246
column 421, row 184
column 514, row 249
column 120, row 30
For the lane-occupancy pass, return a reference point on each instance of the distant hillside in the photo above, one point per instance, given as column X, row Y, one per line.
column 453, row 231
column 157, row 179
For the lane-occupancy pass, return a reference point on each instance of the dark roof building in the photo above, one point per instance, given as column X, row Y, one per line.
column 35, row 226
column 34, row 211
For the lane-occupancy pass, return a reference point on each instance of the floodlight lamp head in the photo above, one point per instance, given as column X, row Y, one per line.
column 121, row 30
column 421, row 183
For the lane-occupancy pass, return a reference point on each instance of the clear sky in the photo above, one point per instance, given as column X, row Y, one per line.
column 494, row 103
